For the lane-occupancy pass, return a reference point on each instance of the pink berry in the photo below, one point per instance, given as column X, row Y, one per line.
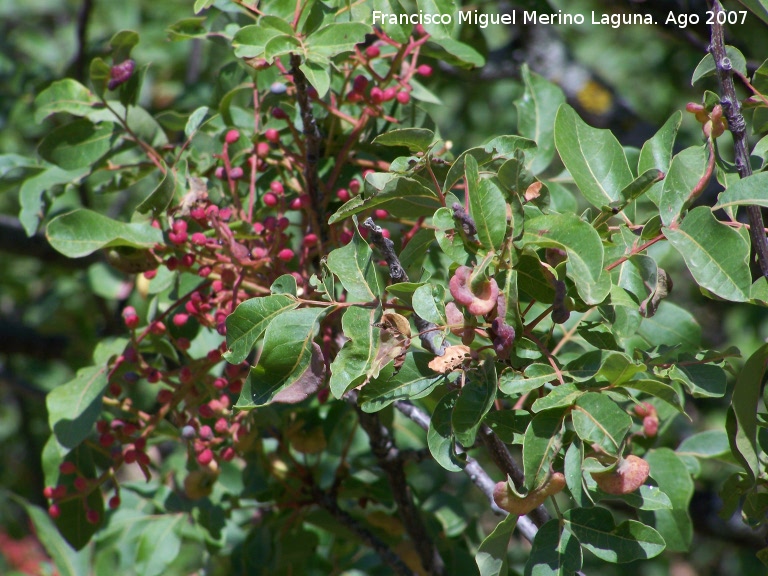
column 354, row 97
column 92, row 517
column 232, row 136
column 220, row 173
column 403, row 97
column 130, row 317
column 270, row 199
column 424, row 70
column 359, row 84
column 262, row 149
column 199, row 239
column 283, row 223
column 286, row 255
column 67, row 468
column 228, row 453
column 48, row 492
column 372, row 51
column 236, row 173
column 276, row 187
column 296, row 204
column 379, row 213
column 205, row 457
column 54, row 511
column 310, row 240
column 354, row 186
column 272, row 135
column 389, row 94
column 377, row 96
column 180, row 319
column 342, row 194
column 206, row 433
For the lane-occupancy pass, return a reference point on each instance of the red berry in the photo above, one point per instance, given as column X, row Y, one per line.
column 120, row 73
column 54, row 511
column 283, row 223
column 235, row 386
column 67, row 468
column 372, row 51
column 389, row 94
column 279, row 113
column 286, row 255
column 106, row 440
column 236, row 173
column 81, row 484
column 342, row 194
column 359, row 84
column 183, row 343
column 221, row 425
column 354, row 97
column 130, row 317
column 130, row 456
column 205, row 411
column 187, row 260
column 48, row 492
column 424, row 70
column 232, row 136
column 272, row 135
column 157, row 328
column 153, row 377
column 310, row 240
column 380, row 213
column 114, row 502
column 403, row 97
column 220, row 173
column 206, row 433
column 296, row 204
column 377, row 96
column 149, row 274
column 276, row 187
column 205, row 457
column 262, row 149
column 92, row 517
column 164, row 396
column 270, row 199
column 199, row 239
column 228, row 453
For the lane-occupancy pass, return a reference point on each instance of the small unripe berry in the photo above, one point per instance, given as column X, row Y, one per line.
column 283, row 223
column 164, row 396
column 286, row 255
column 276, row 187
column 114, row 502
column 180, row 319
column 360, row 83
column 130, row 317
column 92, row 517
column 403, row 97
column 354, row 97
column 199, row 239
column 310, row 240
column 389, row 94
column 372, row 52
column 342, row 194
column 236, row 173
column 67, row 467
column 205, row 457
column 354, row 186
column 270, row 199
column 262, row 149
column 272, row 135
column 220, row 173
column 48, row 492
column 81, row 484
column 54, row 511
column 205, row 411
column 380, row 213
column 232, row 136
column 206, row 433
column 228, row 454
column 377, row 95
column 279, row 113
column 424, row 70
column 278, row 88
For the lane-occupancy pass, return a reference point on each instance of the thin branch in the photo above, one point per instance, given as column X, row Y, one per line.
column 386, row 554
column 429, row 333
column 391, row 461
column 738, row 127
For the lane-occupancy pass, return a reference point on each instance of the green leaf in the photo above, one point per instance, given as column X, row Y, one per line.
column 644, row 498
column 354, row 266
column 671, row 326
column 357, row 357
column 336, row 38
column 201, row 5
column 562, row 396
column 415, row 139
column 68, row 562
column 453, row 52
column 658, row 389
column 583, row 247
column 573, row 469
column 440, row 438
column 701, row 380
column 491, row 556
column 473, row 404
column 701, row 446
column 684, row 173
column 74, row 407
column 449, row 240
column 509, row 425
column 79, row 144
column 281, row 45
column 639, row 186
column 533, row 377
column 436, row 8
column 318, row 75
column 160, row 198
column 536, row 116
column 82, row 232
column 742, row 416
column 657, row 152
column 673, row 479
column 745, row 192
column 707, row 65
column 159, row 543
column 402, row 196
column 758, row 7
column 287, row 354
column 66, row 95
column 250, row 41
column 598, row 420
column 414, row 380
column 716, row 254
column 553, row 552
column 31, row 194
column 499, row 148
column 399, row 32
column 594, row 158
column 596, row 531
column 250, row 320
column 429, row 303
column 486, row 205
column 543, row 440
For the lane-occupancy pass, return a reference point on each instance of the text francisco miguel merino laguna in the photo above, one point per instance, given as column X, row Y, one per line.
column 483, row 19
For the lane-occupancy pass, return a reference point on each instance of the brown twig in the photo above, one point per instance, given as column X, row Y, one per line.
column 738, row 127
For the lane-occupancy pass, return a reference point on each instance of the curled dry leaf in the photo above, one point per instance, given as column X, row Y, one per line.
column 453, row 357
column 480, row 301
column 508, row 499
column 629, row 474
